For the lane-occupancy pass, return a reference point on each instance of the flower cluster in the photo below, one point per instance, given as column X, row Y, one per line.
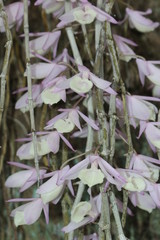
column 80, row 102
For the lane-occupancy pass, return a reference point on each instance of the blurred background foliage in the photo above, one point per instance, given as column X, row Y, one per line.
column 142, row 225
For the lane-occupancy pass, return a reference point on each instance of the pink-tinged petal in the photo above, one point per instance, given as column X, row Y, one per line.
column 71, row 188
column 103, row 16
column 139, row 22
column 32, row 211
column 120, row 207
column 53, row 141
column 48, row 185
column 137, row 109
column 67, row 18
column 81, row 134
column 18, row 179
column 73, row 115
column 98, row 82
column 21, row 165
column 142, row 200
column 46, row 212
column 147, row 98
column 41, row 70
column 64, row 85
column 23, row 140
column 142, row 69
column 142, row 128
column 32, row 179
column 50, row 123
column 72, row 225
column 126, row 40
column 110, row 91
column 15, row 12
column 155, row 194
column 21, row 200
column 56, row 70
column 24, row 151
column 66, row 142
column 112, row 171
column 42, row 44
column 153, row 135
column 74, row 171
column 88, row 120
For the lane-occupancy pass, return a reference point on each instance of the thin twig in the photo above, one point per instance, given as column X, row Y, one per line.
column 121, row 235
column 87, row 44
column 118, row 79
column 8, row 47
column 29, row 83
column 89, row 143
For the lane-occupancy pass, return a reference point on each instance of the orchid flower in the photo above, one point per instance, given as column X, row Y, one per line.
column 51, row 93
column 15, row 12
column 22, row 102
column 42, row 44
column 86, row 13
column 145, row 165
column 148, row 69
column 84, row 80
column 142, row 200
column 152, row 133
column 84, row 213
column 138, row 108
column 94, row 175
column 68, row 119
column 135, row 182
column 23, row 179
column 124, row 51
column 48, row 142
column 53, row 189
column 140, row 23
column 48, row 71
column 29, row 213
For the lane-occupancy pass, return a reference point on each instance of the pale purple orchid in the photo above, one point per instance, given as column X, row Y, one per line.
column 29, row 213
column 94, row 175
column 52, row 190
column 84, row 213
column 152, row 133
column 146, row 166
column 51, row 93
column 83, row 82
column 138, row 108
column 140, row 23
column 22, row 102
column 48, row 142
column 15, row 12
column 124, row 51
column 68, row 119
column 86, row 13
column 49, row 71
column 23, row 179
column 142, row 200
column 42, row 44
column 135, row 182
column 149, row 70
